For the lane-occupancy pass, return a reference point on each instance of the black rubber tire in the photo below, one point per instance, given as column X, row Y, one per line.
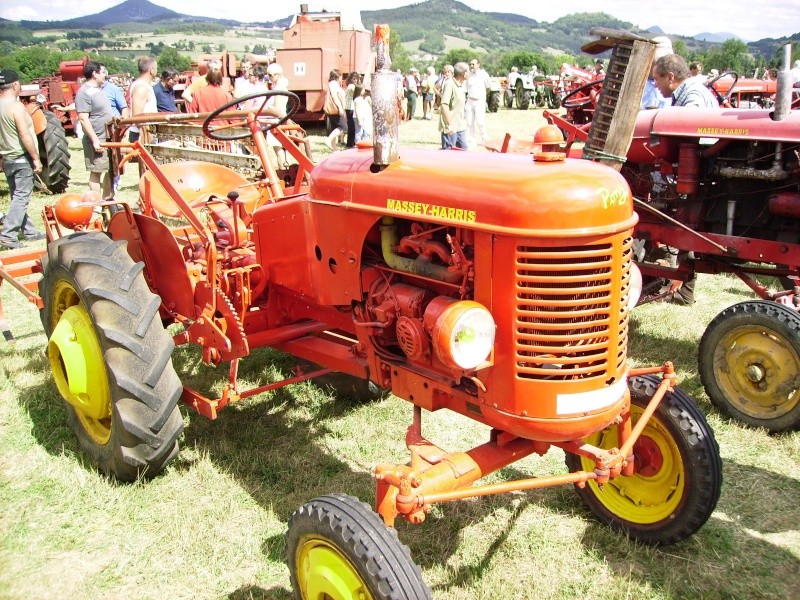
column 775, row 329
column 541, row 99
column 678, row 421
column 508, row 99
column 553, row 101
column 54, row 153
column 494, row 102
column 357, row 534
column 144, row 389
column 523, row 98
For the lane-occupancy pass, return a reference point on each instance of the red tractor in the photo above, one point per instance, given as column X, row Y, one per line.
column 721, row 188
column 51, row 103
column 509, row 307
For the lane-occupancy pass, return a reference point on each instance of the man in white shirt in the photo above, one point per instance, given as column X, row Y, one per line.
column 477, row 85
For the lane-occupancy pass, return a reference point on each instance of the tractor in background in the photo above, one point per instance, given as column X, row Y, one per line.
column 52, row 141
column 51, row 103
column 511, row 308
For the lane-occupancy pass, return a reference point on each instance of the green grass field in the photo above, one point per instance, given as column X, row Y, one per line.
column 212, row 526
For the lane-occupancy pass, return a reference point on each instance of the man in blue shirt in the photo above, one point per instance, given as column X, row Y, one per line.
column 116, row 97
column 165, row 96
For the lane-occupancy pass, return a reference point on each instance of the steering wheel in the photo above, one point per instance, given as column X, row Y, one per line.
column 214, row 131
column 723, row 100
column 569, row 101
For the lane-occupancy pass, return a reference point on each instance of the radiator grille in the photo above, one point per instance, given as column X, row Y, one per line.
column 571, row 315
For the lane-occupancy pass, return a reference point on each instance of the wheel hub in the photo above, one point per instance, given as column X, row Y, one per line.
column 647, row 456
column 76, row 360
column 755, row 373
column 326, row 573
column 759, row 369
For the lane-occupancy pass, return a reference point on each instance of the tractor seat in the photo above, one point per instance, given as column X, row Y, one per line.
column 196, row 181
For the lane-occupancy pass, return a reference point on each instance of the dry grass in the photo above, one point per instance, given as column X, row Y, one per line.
column 212, row 526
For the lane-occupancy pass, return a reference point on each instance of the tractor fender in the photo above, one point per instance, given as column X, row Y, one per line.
column 37, row 115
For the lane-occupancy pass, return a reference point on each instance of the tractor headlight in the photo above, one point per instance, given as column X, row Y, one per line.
column 636, row 287
column 463, row 335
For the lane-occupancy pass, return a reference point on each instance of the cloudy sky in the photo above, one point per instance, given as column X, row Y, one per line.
column 746, row 18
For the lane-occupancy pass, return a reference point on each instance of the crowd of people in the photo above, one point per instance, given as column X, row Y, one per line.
column 458, row 93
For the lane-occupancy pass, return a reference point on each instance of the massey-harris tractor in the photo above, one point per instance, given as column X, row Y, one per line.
column 719, row 190
column 497, row 286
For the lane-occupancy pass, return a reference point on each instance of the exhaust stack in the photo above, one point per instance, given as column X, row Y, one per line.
column 384, row 103
column 783, row 97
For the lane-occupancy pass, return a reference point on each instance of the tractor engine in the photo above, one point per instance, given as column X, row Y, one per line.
column 489, row 284
column 727, row 172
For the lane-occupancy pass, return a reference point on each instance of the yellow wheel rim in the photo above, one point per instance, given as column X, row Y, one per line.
column 757, row 371
column 655, row 491
column 324, row 573
column 76, row 360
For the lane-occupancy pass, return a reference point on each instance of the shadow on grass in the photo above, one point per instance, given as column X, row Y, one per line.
column 254, row 592
column 709, row 564
column 275, row 448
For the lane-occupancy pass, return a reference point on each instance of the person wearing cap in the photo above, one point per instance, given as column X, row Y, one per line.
column 20, row 151
column 652, row 97
column 276, row 106
column 94, row 111
column 599, row 71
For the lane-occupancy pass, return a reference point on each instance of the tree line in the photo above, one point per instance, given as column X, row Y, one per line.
column 37, row 61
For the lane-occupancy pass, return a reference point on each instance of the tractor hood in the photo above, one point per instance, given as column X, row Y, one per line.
column 741, row 123
column 501, row 193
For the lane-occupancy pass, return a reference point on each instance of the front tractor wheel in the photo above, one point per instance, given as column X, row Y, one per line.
column 338, row 548
column 110, row 356
column 749, row 360
column 678, row 471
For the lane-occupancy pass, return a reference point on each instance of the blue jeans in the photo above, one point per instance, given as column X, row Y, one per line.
column 457, row 139
column 17, row 224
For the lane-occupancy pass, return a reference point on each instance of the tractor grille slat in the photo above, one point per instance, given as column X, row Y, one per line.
column 569, row 324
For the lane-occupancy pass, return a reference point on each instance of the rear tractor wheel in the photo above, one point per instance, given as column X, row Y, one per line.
column 678, row 471
column 338, row 549
column 523, row 98
column 508, row 98
column 493, row 103
column 110, row 356
column 54, row 152
column 749, row 359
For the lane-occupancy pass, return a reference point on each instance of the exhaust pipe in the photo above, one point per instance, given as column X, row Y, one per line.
column 384, row 104
column 783, row 97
